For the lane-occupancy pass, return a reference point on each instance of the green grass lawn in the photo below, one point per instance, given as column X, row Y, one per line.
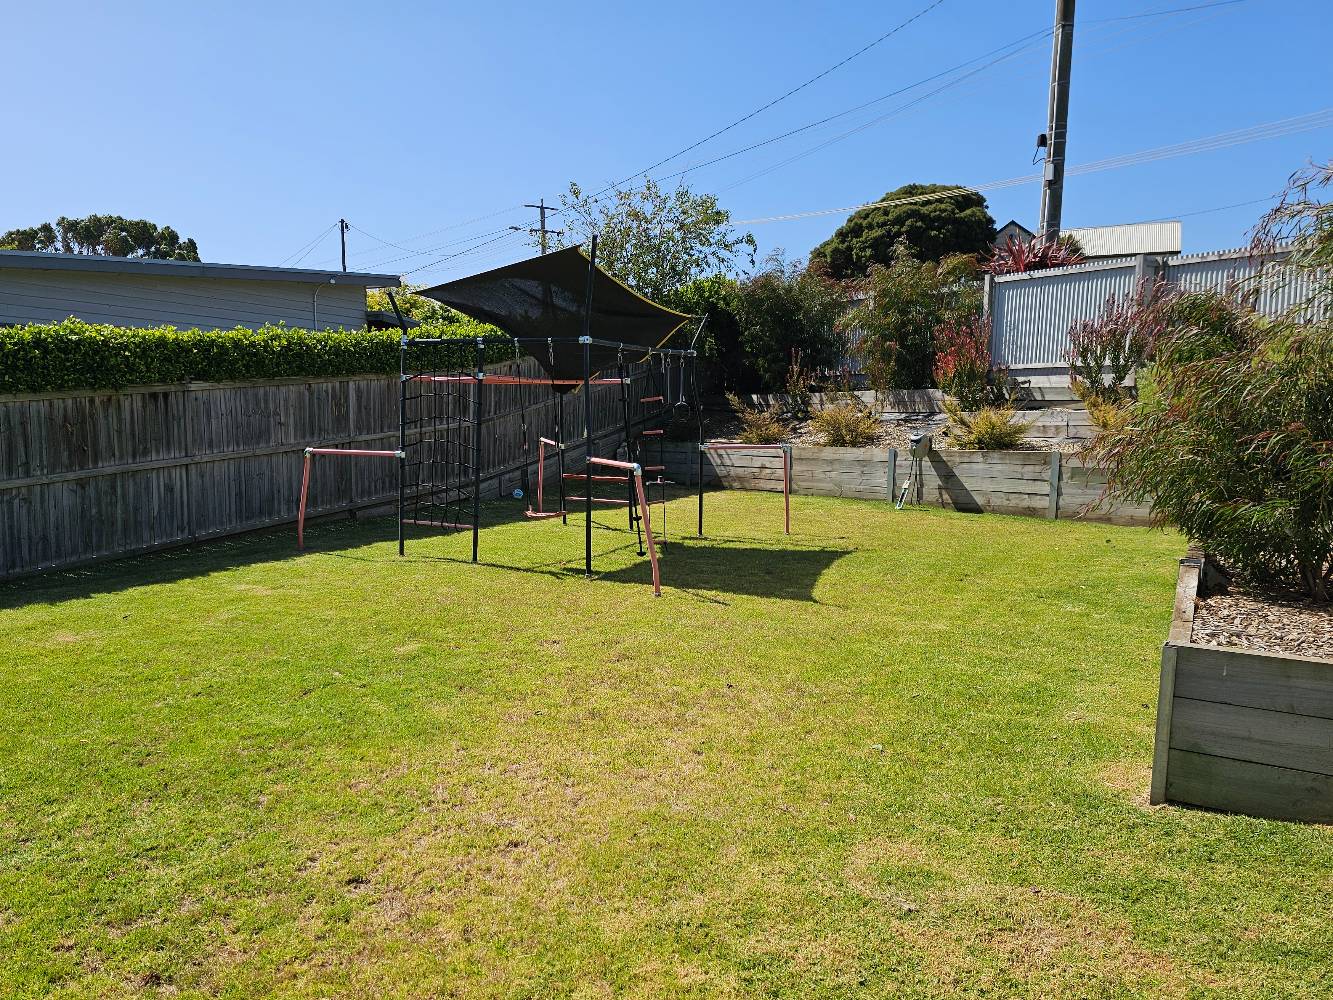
column 896, row 754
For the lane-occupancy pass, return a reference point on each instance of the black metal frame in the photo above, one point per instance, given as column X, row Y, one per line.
column 432, row 422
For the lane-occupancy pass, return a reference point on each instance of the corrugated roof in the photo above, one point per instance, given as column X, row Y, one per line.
column 1138, row 237
column 40, row 261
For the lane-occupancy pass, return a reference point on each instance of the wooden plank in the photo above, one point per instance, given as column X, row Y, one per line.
column 1166, row 689
column 1246, row 787
column 1053, row 497
column 1187, row 589
column 1302, row 742
column 1293, row 684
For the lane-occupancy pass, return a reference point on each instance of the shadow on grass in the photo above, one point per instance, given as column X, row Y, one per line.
column 689, row 564
column 328, row 534
column 714, row 567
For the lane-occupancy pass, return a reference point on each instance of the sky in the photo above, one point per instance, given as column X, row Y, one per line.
column 253, row 127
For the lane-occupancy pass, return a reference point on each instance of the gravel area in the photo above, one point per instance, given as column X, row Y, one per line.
column 1276, row 622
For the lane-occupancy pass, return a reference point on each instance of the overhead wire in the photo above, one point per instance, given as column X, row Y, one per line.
column 1222, row 140
column 307, row 247
column 777, row 100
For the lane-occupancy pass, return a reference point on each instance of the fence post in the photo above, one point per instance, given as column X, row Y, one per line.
column 1053, row 499
column 893, row 474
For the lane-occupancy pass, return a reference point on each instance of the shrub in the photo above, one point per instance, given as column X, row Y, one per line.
column 1105, row 351
column 963, row 363
column 901, row 306
column 764, row 426
column 992, row 428
column 789, row 312
column 1020, row 256
column 73, row 354
column 1232, row 441
column 848, row 424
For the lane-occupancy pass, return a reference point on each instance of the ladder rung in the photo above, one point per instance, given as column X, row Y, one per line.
column 654, row 468
column 621, row 503
column 653, row 399
column 653, row 433
column 597, row 479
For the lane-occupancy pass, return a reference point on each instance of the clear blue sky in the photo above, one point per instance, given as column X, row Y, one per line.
column 252, row 126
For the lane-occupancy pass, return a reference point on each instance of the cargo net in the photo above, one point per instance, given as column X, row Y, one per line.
column 438, row 436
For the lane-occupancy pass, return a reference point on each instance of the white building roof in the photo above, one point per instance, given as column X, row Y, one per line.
column 1123, row 241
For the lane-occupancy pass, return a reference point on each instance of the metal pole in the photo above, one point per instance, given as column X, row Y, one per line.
column 560, row 451
column 699, row 420
column 342, row 236
column 1053, row 177
column 629, row 449
column 402, row 415
column 476, row 445
column 586, row 340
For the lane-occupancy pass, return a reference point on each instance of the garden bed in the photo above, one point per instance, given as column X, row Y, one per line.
column 1246, row 730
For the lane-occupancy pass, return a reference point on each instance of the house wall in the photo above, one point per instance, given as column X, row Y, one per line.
column 43, row 296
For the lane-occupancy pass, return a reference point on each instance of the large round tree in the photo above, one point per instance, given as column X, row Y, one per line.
column 934, row 227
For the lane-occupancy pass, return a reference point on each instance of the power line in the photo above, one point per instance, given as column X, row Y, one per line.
column 504, row 234
column 1171, row 10
column 1222, row 140
column 777, row 100
column 905, row 107
column 307, row 247
column 1037, row 35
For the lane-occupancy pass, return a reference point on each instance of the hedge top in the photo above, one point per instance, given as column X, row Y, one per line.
column 72, row 354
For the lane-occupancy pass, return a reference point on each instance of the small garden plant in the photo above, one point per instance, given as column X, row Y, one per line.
column 991, row 428
column 764, row 425
column 846, row 424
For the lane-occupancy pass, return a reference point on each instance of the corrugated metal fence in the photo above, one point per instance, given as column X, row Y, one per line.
column 91, row 475
column 1031, row 314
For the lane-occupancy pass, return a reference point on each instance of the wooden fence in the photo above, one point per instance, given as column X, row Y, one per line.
column 1032, row 483
column 91, row 475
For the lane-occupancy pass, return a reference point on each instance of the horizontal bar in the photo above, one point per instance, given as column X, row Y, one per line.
column 364, row 452
column 612, row 463
column 725, row 445
column 652, row 433
column 511, row 380
column 652, row 399
column 553, row 444
column 597, row 479
column 621, row 503
column 654, row 468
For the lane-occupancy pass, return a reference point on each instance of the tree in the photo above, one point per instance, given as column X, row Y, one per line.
column 789, row 316
column 901, row 305
column 655, row 241
column 723, row 363
column 934, row 227
column 415, row 307
column 108, row 235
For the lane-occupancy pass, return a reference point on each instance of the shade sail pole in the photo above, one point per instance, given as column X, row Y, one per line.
column 586, row 340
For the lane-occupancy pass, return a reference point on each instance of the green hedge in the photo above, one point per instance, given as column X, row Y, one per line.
column 72, row 354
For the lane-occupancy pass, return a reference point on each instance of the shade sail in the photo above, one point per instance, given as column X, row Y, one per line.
column 544, row 297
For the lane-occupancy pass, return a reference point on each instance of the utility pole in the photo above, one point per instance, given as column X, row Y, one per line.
column 543, row 232
column 342, row 236
column 1053, row 174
